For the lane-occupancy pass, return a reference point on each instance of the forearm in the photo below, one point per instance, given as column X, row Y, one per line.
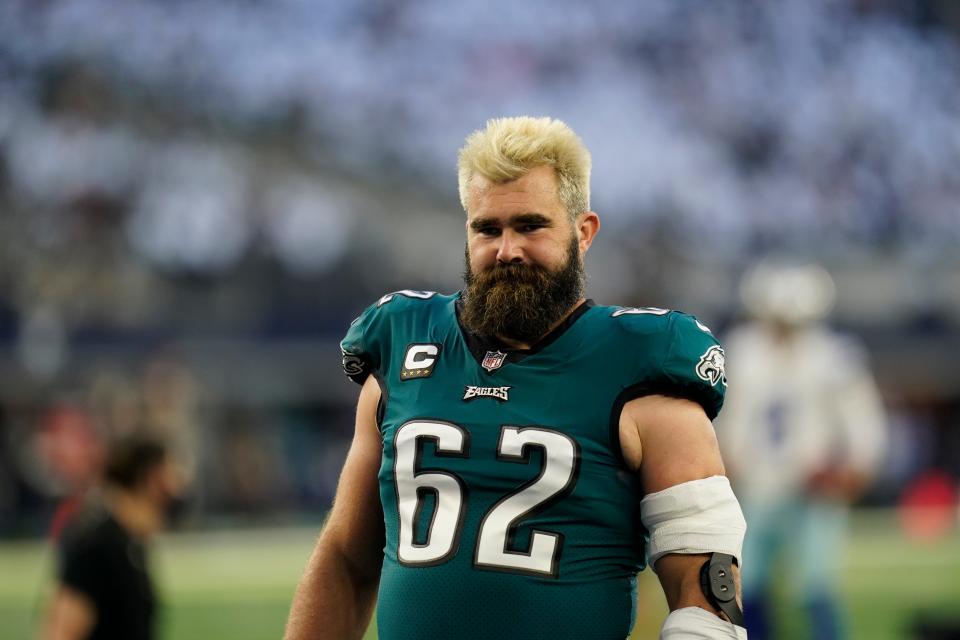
column 71, row 616
column 680, row 578
column 692, row 615
column 338, row 590
column 334, row 599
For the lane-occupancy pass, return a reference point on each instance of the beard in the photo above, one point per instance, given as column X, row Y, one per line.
column 521, row 301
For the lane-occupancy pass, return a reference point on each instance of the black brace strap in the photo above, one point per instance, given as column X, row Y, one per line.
column 716, row 580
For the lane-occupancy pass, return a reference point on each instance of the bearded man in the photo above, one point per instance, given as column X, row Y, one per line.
column 521, row 453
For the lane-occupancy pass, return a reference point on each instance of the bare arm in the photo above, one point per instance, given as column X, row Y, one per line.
column 861, row 427
column 71, row 615
column 337, row 593
column 671, row 441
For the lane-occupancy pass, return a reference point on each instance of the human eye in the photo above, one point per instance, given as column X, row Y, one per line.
column 531, row 227
column 489, row 231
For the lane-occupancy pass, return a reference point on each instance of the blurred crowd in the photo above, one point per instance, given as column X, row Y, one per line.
column 257, row 462
column 197, row 197
column 764, row 122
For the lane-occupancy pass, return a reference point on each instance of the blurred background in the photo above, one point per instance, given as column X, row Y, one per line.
column 197, row 197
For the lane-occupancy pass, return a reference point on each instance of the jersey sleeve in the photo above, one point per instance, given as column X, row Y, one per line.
column 366, row 349
column 693, row 364
column 362, row 347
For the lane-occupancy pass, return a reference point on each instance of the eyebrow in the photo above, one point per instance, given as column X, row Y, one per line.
column 519, row 219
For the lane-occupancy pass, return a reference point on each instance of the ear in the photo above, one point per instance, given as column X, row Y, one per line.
column 152, row 484
column 587, row 224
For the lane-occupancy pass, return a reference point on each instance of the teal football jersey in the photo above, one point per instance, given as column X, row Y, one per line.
column 507, row 507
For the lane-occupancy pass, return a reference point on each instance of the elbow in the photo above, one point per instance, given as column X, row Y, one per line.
column 360, row 566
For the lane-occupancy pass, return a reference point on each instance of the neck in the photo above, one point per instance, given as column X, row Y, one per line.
column 516, row 344
column 135, row 513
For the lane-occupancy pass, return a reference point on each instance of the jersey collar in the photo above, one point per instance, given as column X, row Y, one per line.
column 479, row 345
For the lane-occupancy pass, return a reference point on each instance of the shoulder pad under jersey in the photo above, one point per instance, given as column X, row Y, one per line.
column 684, row 358
column 368, row 337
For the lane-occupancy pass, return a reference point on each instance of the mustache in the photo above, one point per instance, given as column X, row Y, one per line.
column 512, row 272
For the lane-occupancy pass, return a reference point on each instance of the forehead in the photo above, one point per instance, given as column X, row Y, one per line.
column 535, row 192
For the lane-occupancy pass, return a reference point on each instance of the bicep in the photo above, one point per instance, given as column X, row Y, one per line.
column 71, row 615
column 669, row 441
column 355, row 524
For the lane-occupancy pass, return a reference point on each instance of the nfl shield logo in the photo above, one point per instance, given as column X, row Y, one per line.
column 493, row 360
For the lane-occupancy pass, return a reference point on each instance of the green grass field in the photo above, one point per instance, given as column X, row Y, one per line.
column 238, row 584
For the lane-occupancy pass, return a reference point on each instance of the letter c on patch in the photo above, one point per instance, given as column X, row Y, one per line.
column 421, row 356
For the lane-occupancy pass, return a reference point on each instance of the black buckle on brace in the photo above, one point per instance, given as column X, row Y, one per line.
column 716, row 580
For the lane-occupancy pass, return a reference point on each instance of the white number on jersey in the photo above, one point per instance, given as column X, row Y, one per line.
column 560, row 465
column 639, row 311
column 556, row 479
column 446, row 487
column 407, row 293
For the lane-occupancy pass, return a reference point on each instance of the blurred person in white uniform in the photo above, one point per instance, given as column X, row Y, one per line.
column 804, row 432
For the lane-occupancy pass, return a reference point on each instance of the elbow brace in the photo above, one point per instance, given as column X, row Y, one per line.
column 700, row 516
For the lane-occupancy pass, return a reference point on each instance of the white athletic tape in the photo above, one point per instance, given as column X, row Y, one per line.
column 700, row 516
column 694, row 623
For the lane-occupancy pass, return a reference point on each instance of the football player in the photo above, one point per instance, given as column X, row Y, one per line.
column 521, row 452
column 805, row 433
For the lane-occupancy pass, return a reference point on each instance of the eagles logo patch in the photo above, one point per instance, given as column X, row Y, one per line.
column 710, row 367
column 500, row 393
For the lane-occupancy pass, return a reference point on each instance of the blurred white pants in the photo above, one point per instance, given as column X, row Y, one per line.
column 803, row 540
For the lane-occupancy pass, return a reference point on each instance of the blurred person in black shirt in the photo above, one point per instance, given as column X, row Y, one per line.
column 104, row 590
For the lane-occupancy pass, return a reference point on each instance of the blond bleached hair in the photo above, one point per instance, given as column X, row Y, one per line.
column 507, row 148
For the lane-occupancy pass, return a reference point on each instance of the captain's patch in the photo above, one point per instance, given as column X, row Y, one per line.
column 710, row 367
column 419, row 360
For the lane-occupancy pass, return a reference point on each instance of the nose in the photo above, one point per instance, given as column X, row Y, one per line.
column 511, row 247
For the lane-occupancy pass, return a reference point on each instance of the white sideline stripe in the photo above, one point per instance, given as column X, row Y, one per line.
column 885, row 562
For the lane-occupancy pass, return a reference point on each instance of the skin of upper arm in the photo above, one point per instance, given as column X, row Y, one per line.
column 71, row 615
column 336, row 595
column 668, row 441
column 355, row 526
